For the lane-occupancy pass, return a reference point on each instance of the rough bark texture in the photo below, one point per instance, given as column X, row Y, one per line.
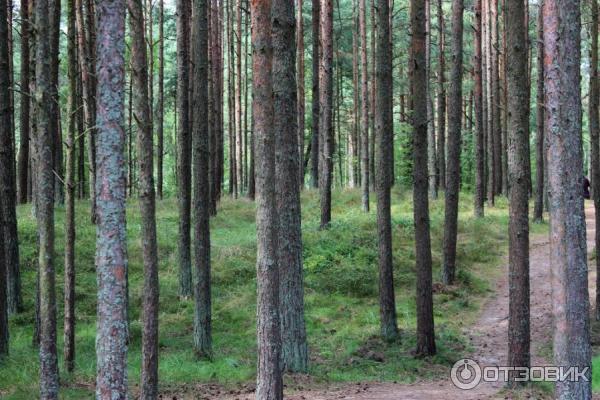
column 495, row 95
column 55, row 122
column 293, row 330
column 5, row 131
column 478, row 103
column 594, row 123
column 326, row 110
column 364, row 109
column 301, row 106
column 316, row 57
column 384, row 136
column 431, row 149
column 7, row 186
column 70, row 186
column 269, row 378
column 518, row 225
column 441, row 100
column 454, row 145
column 24, row 126
column 425, row 328
column 568, row 256
column 111, row 244
column 141, row 114
column 202, row 304
column 538, row 210
column 45, row 207
column 184, row 150
column 161, row 101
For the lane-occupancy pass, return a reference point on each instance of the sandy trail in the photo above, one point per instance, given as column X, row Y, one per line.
column 488, row 338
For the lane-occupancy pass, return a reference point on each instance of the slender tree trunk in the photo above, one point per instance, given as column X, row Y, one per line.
column 238, row 97
column 488, row 99
column 269, row 379
column 55, row 124
column 326, row 110
column 141, row 106
column 440, row 168
column 431, row 151
column 516, row 75
column 594, row 122
column 160, row 150
column 202, row 309
column 538, row 210
column 454, row 141
column 111, row 246
column 70, row 186
column 301, row 106
column 184, row 149
column 316, row 57
column 23, row 160
column 364, row 110
column 425, row 327
column 495, row 86
column 478, row 102
column 568, row 254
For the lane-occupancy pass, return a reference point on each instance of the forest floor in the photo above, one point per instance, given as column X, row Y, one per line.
column 346, row 357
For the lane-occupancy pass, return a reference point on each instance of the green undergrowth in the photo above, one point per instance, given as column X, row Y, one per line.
column 342, row 312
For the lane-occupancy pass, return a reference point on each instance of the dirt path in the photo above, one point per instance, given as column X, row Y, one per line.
column 488, row 338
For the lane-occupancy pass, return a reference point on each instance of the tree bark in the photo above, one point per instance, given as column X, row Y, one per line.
column 425, row 327
column 316, row 57
column 269, row 379
column 478, row 103
column 431, row 150
column 160, row 150
column 326, row 110
column 184, row 149
column 516, row 75
column 440, row 168
column 594, row 122
column 301, row 106
column 24, row 125
column 364, row 110
column 454, row 146
column 538, row 210
column 55, row 120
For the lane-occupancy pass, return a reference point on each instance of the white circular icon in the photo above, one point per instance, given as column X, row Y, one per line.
column 465, row 374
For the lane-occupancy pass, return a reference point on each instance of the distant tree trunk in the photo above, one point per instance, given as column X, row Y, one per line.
column 516, row 79
column 440, row 170
column 364, row 110
column 488, row 99
column 425, row 327
column 161, row 100
column 431, row 151
column 55, row 124
column 568, row 251
column 372, row 93
column 316, row 57
column 538, row 210
column 24, row 125
column 70, row 186
column 354, row 143
column 5, row 132
column 594, row 121
column 326, row 109
column 202, row 308
column 45, row 204
column 495, row 86
column 300, row 90
column 269, row 379
column 184, row 149
column 454, row 141
column 141, row 106
column 291, row 292
column 111, row 246
column 478, row 102
column 384, row 135
column 238, row 97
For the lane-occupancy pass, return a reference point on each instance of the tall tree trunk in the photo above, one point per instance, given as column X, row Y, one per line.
column 316, row 57
column 238, row 97
column 202, row 308
column 364, row 110
column 301, row 106
column 111, row 244
column 23, row 160
column 326, row 110
column 516, row 79
column 488, row 99
column 160, row 150
column 425, row 327
column 594, row 122
column 70, row 186
column 269, row 379
column 454, row 140
column 5, row 132
column 184, row 149
column 384, row 136
column 291, row 292
column 55, row 124
column 540, row 154
column 141, row 106
column 568, row 252
column 431, row 151
column 440, row 168
column 495, row 86
column 478, row 103
column 45, row 205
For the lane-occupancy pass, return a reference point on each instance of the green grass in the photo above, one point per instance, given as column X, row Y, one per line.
column 342, row 312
